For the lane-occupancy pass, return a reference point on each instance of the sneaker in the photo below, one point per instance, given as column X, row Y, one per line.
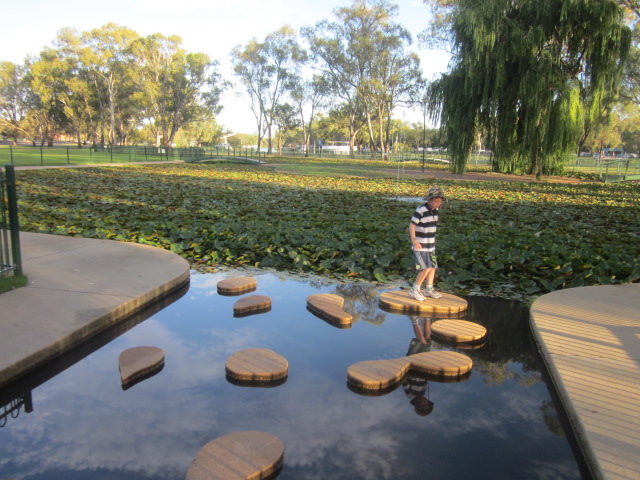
column 432, row 294
column 415, row 293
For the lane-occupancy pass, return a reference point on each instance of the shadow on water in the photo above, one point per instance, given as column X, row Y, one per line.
column 498, row 422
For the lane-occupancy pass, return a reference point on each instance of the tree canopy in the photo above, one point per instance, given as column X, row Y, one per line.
column 529, row 73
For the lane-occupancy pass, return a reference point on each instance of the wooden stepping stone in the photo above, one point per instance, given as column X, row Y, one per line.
column 252, row 304
column 387, row 374
column 329, row 307
column 138, row 362
column 400, row 301
column 458, row 331
column 257, row 365
column 237, row 285
column 238, row 456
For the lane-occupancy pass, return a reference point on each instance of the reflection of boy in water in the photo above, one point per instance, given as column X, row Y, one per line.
column 415, row 387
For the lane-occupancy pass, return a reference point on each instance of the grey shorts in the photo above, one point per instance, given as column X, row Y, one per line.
column 423, row 260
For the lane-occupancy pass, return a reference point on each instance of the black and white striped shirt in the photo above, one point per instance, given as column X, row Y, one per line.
column 426, row 224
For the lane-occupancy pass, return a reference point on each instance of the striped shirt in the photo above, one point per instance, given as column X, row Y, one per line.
column 426, row 222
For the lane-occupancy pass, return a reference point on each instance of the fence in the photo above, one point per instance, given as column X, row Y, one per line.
column 10, row 258
column 105, row 154
column 431, row 156
column 607, row 169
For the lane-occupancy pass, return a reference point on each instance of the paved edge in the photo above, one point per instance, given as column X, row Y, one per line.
column 589, row 339
column 77, row 288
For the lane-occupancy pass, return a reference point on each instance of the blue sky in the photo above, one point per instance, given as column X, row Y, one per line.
column 213, row 27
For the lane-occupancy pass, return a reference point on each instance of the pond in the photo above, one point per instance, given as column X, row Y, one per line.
column 499, row 423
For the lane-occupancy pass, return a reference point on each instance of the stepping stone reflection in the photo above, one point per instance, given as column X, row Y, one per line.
column 329, row 307
column 251, row 304
column 139, row 363
column 237, row 285
column 238, row 456
column 387, row 374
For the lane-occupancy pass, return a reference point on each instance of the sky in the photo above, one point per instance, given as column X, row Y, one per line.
column 213, row 27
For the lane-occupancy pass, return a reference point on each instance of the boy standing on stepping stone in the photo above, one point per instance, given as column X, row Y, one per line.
column 422, row 228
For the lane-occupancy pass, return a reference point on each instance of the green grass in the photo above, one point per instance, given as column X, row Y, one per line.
column 67, row 155
column 11, row 282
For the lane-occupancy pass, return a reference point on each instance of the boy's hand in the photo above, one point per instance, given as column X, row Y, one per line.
column 417, row 245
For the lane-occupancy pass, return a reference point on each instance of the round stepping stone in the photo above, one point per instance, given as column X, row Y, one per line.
column 137, row 362
column 252, row 304
column 237, row 285
column 378, row 374
column 257, row 365
column 401, row 301
column 442, row 363
column 329, row 307
column 458, row 331
column 238, row 456
column 387, row 374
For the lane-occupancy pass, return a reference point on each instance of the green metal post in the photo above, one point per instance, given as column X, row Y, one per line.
column 14, row 225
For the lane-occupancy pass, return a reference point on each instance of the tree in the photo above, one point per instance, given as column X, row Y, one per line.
column 311, row 95
column 14, row 94
column 523, row 70
column 361, row 56
column 265, row 70
column 106, row 57
column 199, row 133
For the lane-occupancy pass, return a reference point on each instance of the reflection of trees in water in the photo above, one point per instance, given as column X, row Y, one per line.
column 551, row 419
column 507, row 324
column 361, row 301
column 512, row 354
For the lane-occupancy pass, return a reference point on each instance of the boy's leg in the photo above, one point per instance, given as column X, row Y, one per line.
column 422, row 275
column 430, row 277
column 415, row 290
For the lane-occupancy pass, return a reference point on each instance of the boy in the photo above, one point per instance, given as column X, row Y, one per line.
column 422, row 229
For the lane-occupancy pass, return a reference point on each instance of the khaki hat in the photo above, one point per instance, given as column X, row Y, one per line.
column 435, row 192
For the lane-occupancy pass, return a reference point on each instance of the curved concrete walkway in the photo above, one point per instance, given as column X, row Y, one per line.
column 78, row 287
column 589, row 337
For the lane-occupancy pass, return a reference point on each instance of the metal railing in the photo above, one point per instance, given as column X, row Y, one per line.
column 621, row 170
column 10, row 256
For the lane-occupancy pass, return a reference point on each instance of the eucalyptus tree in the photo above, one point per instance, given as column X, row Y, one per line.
column 265, row 68
column 177, row 88
column 362, row 56
column 76, row 92
column 14, row 100
column 528, row 71
column 395, row 79
column 308, row 97
column 105, row 55
column 47, row 75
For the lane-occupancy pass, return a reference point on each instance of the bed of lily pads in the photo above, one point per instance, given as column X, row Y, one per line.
column 504, row 239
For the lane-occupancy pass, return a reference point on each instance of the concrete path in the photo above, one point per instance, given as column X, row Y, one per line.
column 77, row 288
column 589, row 338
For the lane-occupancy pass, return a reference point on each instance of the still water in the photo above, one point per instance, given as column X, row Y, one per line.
column 500, row 423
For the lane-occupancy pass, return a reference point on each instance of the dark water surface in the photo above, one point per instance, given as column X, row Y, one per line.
column 500, row 423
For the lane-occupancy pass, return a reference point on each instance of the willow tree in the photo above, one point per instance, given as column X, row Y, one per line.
column 528, row 72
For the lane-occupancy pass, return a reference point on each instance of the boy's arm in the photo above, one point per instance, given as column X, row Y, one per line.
column 412, row 231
